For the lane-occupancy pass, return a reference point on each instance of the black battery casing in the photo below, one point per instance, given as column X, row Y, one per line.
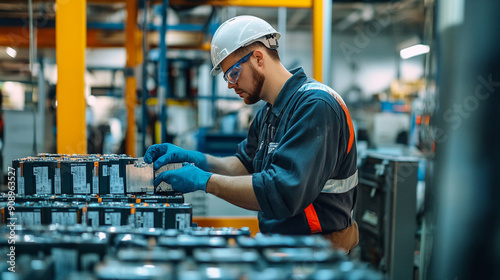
column 43, row 176
column 24, row 172
column 104, row 214
column 79, row 172
column 65, row 214
column 178, row 216
column 104, row 176
column 150, row 216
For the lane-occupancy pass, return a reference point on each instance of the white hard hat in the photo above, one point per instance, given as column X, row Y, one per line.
column 238, row 32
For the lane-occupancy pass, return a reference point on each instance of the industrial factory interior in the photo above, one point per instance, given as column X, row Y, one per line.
column 249, row 139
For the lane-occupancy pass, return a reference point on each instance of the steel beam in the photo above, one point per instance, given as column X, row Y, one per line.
column 243, row 3
column 322, row 30
column 70, row 54
column 46, row 38
column 132, row 47
column 163, row 73
column 248, row 3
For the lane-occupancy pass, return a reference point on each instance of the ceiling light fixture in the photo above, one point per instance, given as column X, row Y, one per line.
column 414, row 51
column 11, row 52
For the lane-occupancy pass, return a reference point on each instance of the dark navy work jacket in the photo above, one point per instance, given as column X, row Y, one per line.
column 302, row 154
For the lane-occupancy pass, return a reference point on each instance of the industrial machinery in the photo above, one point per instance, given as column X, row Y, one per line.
column 386, row 213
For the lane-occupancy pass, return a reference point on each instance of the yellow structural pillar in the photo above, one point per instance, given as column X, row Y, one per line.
column 317, row 11
column 71, row 32
column 132, row 47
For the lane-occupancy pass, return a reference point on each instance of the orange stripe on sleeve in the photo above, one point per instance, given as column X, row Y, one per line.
column 312, row 219
column 349, row 122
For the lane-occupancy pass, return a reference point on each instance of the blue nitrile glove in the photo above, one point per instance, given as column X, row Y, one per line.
column 162, row 154
column 188, row 178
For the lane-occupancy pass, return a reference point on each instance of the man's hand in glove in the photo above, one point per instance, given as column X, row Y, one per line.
column 162, row 154
column 187, row 179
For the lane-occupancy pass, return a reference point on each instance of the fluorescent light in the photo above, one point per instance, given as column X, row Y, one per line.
column 414, row 51
column 11, row 52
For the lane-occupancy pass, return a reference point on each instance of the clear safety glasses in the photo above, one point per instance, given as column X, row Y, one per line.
column 233, row 73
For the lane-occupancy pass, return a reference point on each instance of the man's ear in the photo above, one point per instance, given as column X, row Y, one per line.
column 259, row 55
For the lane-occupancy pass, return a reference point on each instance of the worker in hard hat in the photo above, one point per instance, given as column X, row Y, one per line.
column 297, row 166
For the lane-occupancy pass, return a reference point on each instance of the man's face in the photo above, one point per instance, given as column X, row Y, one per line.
column 258, row 81
column 250, row 82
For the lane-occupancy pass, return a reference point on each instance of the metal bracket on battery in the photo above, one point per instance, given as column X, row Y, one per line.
column 140, row 177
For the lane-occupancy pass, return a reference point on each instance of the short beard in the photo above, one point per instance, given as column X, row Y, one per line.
column 258, row 82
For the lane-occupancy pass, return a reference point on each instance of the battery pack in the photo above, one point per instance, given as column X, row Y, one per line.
column 31, row 214
column 107, row 214
column 76, row 177
column 65, row 214
column 178, row 216
column 86, row 174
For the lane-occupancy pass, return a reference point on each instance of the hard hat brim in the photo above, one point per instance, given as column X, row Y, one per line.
column 216, row 70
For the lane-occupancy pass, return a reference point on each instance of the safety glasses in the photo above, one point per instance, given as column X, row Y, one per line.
column 233, row 73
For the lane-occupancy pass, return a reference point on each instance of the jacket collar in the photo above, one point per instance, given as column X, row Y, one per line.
column 291, row 86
